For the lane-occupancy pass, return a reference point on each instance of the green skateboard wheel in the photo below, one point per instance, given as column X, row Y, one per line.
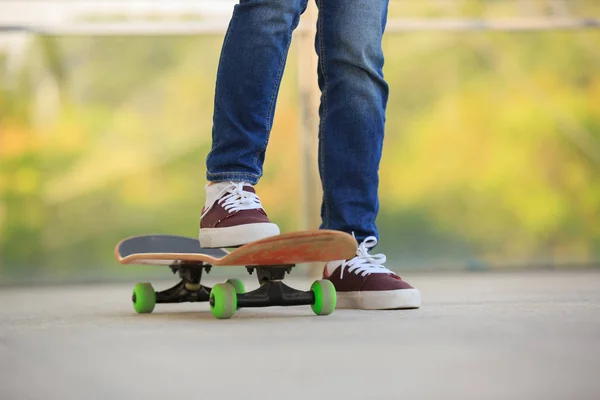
column 325, row 297
column 143, row 298
column 223, row 301
column 238, row 285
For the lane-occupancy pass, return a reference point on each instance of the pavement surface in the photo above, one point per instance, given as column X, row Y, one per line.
column 533, row 335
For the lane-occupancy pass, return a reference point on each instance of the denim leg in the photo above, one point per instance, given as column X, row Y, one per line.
column 354, row 97
column 251, row 65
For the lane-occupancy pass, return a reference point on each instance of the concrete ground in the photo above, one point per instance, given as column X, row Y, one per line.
column 512, row 335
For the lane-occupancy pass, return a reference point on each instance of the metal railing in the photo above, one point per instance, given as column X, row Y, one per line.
column 219, row 26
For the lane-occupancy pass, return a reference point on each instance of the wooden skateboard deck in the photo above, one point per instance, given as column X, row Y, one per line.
column 284, row 249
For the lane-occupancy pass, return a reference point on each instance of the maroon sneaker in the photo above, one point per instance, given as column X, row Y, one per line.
column 233, row 216
column 363, row 283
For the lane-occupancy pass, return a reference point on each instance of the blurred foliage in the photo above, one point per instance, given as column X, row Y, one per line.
column 492, row 150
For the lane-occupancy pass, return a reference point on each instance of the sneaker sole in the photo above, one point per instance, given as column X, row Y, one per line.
column 379, row 300
column 236, row 235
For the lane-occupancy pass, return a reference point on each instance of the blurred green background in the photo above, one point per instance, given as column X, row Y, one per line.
column 491, row 160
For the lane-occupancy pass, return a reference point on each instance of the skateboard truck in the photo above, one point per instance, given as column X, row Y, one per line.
column 225, row 300
column 271, row 273
column 189, row 289
column 272, row 291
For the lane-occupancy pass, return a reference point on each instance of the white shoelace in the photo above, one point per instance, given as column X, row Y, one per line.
column 237, row 198
column 365, row 263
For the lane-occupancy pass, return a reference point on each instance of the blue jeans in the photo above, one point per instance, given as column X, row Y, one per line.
column 354, row 97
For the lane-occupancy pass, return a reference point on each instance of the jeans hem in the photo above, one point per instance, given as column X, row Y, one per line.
column 233, row 176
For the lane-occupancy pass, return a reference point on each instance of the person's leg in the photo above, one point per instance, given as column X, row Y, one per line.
column 352, row 111
column 352, row 118
column 250, row 69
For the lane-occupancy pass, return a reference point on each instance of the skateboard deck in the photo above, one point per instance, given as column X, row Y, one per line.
column 284, row 249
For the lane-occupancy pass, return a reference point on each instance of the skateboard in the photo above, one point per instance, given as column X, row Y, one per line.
column 271, row 258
